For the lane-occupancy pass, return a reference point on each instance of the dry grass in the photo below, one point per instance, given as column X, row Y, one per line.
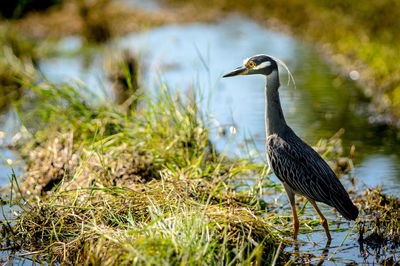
column 19, row 56
column 17, row 62
column 380, row 226
column 124, row 72
column 104, row 187
column 112, row 225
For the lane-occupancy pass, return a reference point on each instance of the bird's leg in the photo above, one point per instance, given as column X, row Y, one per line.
column 323, row 220
column 295, row 219
column 292, row 201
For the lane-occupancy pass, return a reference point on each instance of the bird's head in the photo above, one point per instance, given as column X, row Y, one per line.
column 258, row 64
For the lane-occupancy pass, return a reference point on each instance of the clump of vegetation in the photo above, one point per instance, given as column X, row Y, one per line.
column 332, row 150
column 15, row 64
column 105, row 187
column 11, row 70
column 124, row 72
column 18, row 58
column 94, row 27
column 23, row 47
column 380, row 226
column 155, row 222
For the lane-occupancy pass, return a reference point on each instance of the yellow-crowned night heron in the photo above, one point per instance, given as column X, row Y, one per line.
column 300, row 169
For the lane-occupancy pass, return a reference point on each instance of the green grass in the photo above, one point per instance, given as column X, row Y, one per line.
column 110, row 186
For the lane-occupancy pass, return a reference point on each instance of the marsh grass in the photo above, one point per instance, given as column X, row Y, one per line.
column 107, row 184
column 12, row 68
column 104, row 186
column 380, row 228
column 147, row 187
column 18, row 58
column 94, row 27
column 124, row 72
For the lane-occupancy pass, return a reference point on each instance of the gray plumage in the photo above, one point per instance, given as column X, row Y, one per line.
column 300, row 168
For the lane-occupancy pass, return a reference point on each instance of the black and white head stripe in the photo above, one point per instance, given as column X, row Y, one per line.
column 262, row 65
column 261, row 61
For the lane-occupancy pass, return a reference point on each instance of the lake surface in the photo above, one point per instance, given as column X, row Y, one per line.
column 195, row 56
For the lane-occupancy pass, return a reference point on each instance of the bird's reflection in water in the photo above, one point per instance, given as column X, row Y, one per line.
column 322, row 258
column 324, row 253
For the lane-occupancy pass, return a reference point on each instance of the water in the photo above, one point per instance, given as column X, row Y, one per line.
column 196, row 56
column 144, row 5
column 7, row 131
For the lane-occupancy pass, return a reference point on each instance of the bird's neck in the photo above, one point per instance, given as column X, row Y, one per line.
column 274, row 119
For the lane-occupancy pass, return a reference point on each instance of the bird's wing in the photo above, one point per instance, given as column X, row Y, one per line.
column 303, row 170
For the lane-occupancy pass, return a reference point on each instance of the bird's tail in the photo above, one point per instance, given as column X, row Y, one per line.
column 345, row 207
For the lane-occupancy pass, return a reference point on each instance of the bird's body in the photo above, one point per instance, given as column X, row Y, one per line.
column 304, row 172
column 299, row 167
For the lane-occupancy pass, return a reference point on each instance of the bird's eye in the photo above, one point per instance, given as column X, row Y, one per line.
column 251, row 64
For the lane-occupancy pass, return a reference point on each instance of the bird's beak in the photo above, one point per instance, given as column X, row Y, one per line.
column 242, row 70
